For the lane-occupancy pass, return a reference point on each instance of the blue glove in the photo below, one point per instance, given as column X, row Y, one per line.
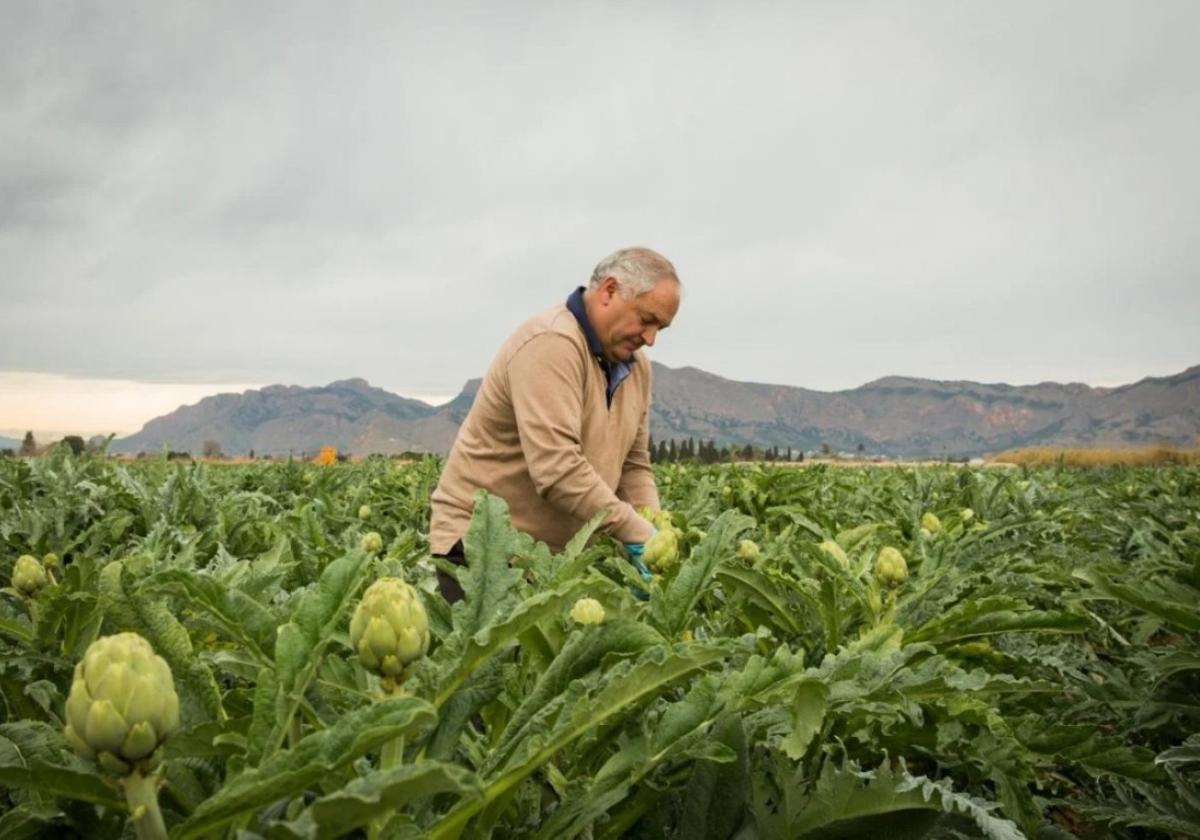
column 635, row 551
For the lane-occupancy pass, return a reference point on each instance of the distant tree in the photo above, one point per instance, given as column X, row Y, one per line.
column 789, row 454
column 7, row 452
column 747, row 452
column 825, row 450
column 75, row 442
column 211, row 449
column 251, row 456
column 28, row 445
column 800, row 457
column 861, row 447
column 672, row 452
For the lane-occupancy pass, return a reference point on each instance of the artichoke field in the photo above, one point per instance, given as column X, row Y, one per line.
column 260, row 651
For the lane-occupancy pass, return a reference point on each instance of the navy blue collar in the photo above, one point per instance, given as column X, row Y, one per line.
column 614, row 372
column 579, row 310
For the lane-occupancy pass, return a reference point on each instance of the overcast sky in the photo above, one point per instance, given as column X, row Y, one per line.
column 198, row 194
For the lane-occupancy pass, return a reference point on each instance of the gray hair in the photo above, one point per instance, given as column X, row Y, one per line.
column 635, row 269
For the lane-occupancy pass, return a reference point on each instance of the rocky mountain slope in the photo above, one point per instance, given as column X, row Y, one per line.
column 896, row 416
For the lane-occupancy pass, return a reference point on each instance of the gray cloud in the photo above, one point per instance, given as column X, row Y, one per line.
column 302, row 192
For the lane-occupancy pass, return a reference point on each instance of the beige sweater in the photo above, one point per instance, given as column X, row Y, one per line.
column 541, row 435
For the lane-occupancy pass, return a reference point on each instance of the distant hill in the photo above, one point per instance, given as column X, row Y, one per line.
column 9, row 443
column 908, row 417
column 896, row 416
column 349, row 414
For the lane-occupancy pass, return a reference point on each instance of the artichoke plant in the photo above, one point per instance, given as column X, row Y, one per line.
column 588, row 611
column 662, row 550
column 389, row 629
column 930, row 522
column 29, row 576
column 121, row 707
column 371, row 542
column 748, row 550
column 833, row 549
column 891, row 569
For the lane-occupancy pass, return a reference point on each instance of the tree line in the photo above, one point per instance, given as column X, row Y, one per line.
column 685, row 450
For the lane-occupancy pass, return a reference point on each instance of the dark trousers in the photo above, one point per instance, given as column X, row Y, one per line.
column 447, row 584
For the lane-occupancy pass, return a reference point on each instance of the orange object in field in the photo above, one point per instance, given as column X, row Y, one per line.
column 327, row 457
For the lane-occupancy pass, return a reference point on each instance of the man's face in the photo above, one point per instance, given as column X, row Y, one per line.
column 625, row 324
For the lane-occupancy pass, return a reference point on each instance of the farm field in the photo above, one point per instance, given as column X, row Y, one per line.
column 940, row 652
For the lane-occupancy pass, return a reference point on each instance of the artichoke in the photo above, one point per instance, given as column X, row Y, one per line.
column 890, row 567
column 834, row 549
column 662, row 551
column 967, row 515
column 660, row 519
column 28, row 575
column 930, row 522
column 371, row 543
column 748, row 550
column 389, row 628
column 364, row 512
column 588, row 611
column 122, row 703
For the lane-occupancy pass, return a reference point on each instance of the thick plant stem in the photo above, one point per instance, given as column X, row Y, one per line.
column 141, row 794
column 390, row 757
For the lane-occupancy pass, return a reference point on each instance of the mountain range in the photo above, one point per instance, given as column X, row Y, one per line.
column 895, row 416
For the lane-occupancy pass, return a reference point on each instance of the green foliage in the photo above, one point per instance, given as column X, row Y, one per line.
column 1033, row 672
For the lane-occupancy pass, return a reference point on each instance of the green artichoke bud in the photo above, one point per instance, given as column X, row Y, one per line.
column 925, row 534
column 364, row 512
column 967, row 515
column 748, row 550
column 389, row 628
column 662, row 551
column 28, row 575
column 371, row 543
column 835, row 550
column 588, row 611
column 50, row 561
column 890, row 567
column 931, row 523
column 122, row 703
column 660, row 519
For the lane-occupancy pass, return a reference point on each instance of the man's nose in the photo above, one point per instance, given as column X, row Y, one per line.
column 648, row 336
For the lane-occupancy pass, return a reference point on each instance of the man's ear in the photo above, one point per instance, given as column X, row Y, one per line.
column 609, row 289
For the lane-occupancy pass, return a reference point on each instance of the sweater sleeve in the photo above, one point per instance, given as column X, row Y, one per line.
column 637, row 477
column 546, row 380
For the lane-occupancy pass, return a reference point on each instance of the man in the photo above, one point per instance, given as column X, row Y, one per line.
column 560, row 427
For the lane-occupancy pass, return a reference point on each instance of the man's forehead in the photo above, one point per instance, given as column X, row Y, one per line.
column 661, row 301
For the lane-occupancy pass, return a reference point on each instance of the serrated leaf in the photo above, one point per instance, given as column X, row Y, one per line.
column 488, row 580
column 807, row 714
column 671, row 609
column 128, row 608
column 241, row 617
column 381, row 793
column 583, row 653
column 503, row 632
column 289, row 772
column 299, row 646
column 626, row 687
column 991, row 616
